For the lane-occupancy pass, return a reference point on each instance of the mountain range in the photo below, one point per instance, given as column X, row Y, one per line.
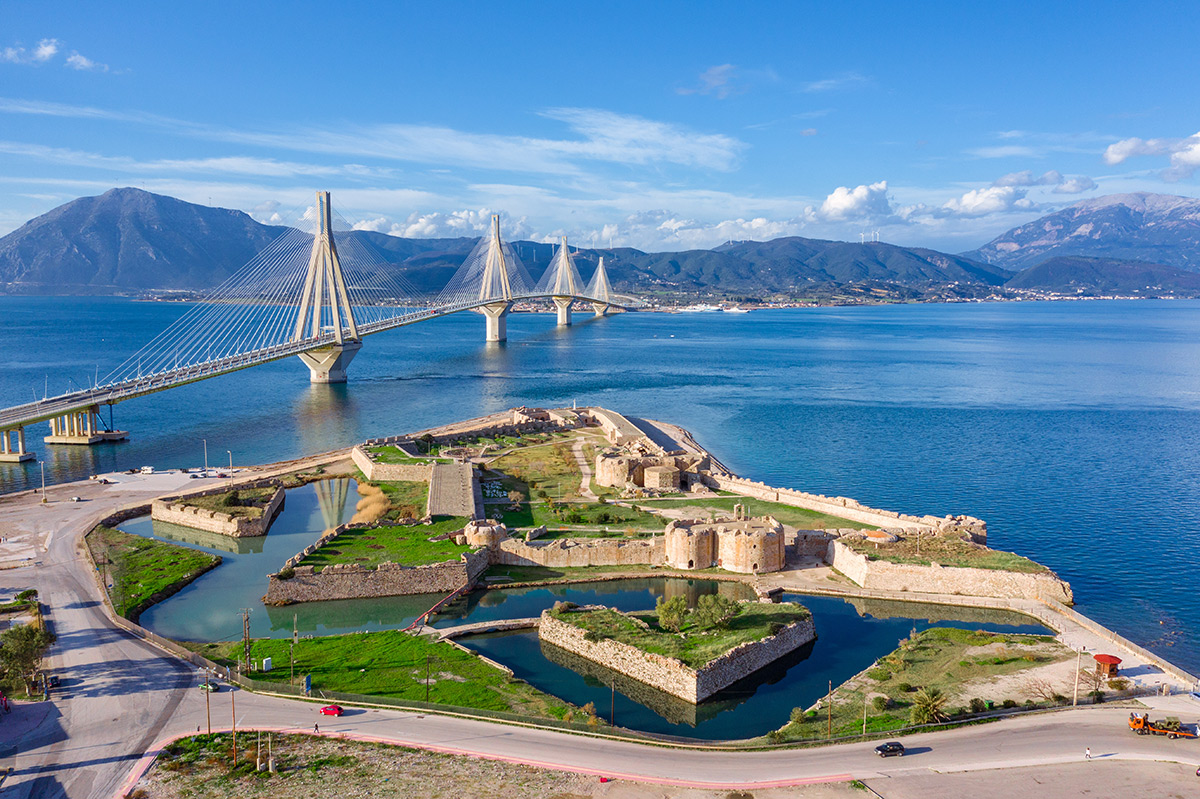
column 132, row 241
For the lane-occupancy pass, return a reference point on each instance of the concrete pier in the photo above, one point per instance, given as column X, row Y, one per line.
column 563, row 304
column 497, row 320
column 81, row 427
column 328, row 364
column 601, row 308
column 10, row 455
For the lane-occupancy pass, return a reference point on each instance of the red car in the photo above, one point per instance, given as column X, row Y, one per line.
column 331, row 710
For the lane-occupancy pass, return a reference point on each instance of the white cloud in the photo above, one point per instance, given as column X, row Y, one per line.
column 990, row 200
column 627, row 139
column 867, row 202
column 809, row 132
column 453, row 224
column 1074, row 184
column 1183, row 153
column 847, row 80
column 1062, row 184
column 81, row 62
column 715, row 81
column 45, row 52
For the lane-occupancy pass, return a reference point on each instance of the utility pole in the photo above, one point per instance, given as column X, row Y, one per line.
column 246, row 637
column 230, row 453
column 829, row 709
column 1078, row 658
column 292, row 649
column 233, row 705
column 207, row 702
column 612, row 707
column 427, row 658
column 43, row 465
column 864, row 712
column 205, row 440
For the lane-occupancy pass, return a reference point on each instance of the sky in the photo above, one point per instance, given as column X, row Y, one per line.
column 656, row 125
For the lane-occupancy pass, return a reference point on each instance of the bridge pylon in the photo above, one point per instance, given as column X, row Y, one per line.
column 600, row 290
column 496, row 284
column 11, row 452
column 325, row 306
column 562, row 282
column 81, row 426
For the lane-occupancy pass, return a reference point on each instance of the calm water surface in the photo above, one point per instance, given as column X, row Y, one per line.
column 1072, row 428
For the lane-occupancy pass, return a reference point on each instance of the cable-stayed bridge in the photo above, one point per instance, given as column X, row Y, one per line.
column 314, row 295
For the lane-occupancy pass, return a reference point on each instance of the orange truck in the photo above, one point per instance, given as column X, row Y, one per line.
column 1170, row 726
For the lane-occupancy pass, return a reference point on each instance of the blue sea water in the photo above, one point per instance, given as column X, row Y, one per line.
column 1072, row 428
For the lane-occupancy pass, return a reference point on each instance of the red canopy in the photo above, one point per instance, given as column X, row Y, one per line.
column 1111, row 660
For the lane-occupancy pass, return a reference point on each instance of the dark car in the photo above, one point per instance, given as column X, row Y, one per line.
column 55, row 681
column 890, row 749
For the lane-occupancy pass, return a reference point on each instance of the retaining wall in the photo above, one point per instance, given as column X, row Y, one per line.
column 215, row 521
column 935, row 579
column 390, row 472
column 563, row 553
column 351, row 581
column 671, row 675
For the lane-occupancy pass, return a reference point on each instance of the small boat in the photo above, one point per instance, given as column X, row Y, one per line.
column 736, row 309
column 700, row 309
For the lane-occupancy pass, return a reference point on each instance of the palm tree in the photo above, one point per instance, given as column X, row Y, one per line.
column 927, row 706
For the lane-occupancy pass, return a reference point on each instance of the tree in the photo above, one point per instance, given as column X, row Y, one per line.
column 21, row 650
column 714, row 610
column 671, row 612
column 928, row 706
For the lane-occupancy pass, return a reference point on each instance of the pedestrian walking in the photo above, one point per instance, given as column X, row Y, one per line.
column 1087, row 753
column 316, row 728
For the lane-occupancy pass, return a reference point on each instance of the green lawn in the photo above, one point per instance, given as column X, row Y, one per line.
column 695, row 647
column 592, row 514
column 408, row 499
column 785, row 514
column 394, row 663
column 395, row 455
column 143, row 571
column 404, row 544
column 935, row 658
column 947, row 550
column 243, row 502
column 546, row 471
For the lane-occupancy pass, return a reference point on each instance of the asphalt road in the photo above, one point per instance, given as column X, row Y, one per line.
column 122, row 696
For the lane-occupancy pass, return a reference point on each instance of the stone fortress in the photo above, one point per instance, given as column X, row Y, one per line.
column 740, row 544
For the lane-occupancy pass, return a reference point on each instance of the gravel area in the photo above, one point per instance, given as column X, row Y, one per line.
column 311, row 766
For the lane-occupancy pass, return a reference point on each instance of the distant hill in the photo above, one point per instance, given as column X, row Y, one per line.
column 132, row 240
column 1071, row 274
column 1154, row 228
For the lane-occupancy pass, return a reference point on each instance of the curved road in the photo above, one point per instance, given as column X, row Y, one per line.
column 122, row 696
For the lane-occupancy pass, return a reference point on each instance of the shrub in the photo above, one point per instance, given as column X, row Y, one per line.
column 1008, row 703
column 591, row 636
column 1097, row 695
column 797, row 715
column 882, row 702
column 905, row 687
column 928, row 706
column 1119, row 684
column 286, row 573
column 230, row 500
column 28, row 593
column 775, row 736
column 1029, row 703
column 964, row 663
column 1060, row 699
column 589, row 708
column 879, row 674
column 775, row 627
column 978, row 706
column 562, row 606
column 671, row 612
column 714, row 610
column 541, row 494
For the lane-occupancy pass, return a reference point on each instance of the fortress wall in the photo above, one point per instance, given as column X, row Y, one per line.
column 937, row 579
column 844, row 507
column 215, row 521
column 562, row 553
column 811, row 544
column 671, row 675
column 390, row 472
column 351, row 581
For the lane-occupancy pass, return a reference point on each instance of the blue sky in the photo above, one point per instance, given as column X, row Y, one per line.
column 653, row 125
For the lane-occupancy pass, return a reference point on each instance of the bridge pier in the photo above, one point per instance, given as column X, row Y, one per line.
column 497, row 320
column 328, row 364
column 563, row 304
column 81, row 427
column 7, row 454
column 601, row 308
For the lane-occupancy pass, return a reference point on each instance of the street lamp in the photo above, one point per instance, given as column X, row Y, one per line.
column 205, row 440
column 43, row 465
column 230, row 453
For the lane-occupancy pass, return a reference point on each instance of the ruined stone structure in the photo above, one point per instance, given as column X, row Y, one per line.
column 561, row 553
column 389, row 472
column 671, row 675
column 351, row 581
column 935, row 579
column 483, row 533
column 746, row 546
column 170, row 510
column 621, row 468
column 662, row 478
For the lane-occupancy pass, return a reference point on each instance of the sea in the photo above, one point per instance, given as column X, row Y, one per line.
column 1072, row 428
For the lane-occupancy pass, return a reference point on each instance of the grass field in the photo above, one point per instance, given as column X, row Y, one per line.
column 947, row 550
column 394, row 663
column 591, row 514
column 695, row 647
column 940, row 658
column 539, row 472
column 407, row 498
column 392, row 454
column 785, row 514
column 404, row 544
column 143, row 571
column 239, row 503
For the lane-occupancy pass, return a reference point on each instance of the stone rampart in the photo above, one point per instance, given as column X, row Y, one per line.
column 669, row 674
column 847, row 508
column 563, row 553
column 390, row 472
column 215, row 521
column 936, row 579
column 351, row 581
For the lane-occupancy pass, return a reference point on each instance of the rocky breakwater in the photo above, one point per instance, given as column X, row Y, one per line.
column 352, row 581
column 176, row 510
column 669, row 674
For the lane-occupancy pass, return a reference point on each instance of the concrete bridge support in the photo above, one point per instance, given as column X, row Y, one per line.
column 81, row 427
column 563, row 304
column 497, row 320
column 328, row 364
column 601, row 308
column 10, row 455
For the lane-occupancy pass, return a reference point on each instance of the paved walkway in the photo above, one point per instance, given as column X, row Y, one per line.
column 585, row 468
column 452, row 490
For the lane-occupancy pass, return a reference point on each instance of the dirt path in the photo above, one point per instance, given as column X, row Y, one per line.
column 585, row 482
